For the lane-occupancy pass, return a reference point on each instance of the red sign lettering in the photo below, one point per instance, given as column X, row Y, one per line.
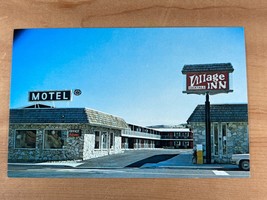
column 74, row 133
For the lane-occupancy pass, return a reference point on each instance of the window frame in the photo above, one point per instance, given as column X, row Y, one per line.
column 111, row 139
column 216, row 139
column 15, row 138
column 56, row 129
column 106, row 143
column 99, row 140
column 224, row 139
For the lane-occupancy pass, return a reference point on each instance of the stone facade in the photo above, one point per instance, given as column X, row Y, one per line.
column 235, row 141
column 229, row 130
column 74, row 148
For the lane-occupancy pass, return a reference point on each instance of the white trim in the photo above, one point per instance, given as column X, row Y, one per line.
column 177, row 130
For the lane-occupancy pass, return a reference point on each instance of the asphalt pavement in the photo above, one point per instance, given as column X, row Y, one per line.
column 130, row 158
column 144, row 158
column 145, row 163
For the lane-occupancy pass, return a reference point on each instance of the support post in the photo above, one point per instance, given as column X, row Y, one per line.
column 208, row 138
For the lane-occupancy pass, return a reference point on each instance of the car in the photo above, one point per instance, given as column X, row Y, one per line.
column 242, row 160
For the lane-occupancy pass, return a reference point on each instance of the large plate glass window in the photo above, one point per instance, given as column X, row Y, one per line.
column 25, row 139
column 55, row 139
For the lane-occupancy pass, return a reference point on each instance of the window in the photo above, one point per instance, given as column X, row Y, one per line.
column 97, row 140
column 216, row 138
column 104, row 140
column 111, row 140
column 55, row 139
column 25, row 139
column 224, row 138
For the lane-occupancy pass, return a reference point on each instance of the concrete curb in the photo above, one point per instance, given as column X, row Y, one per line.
column 193, row 167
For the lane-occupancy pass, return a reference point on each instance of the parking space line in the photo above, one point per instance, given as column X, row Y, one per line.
column 220, row 173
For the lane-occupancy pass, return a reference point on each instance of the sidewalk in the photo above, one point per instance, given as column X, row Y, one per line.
column 184, row 160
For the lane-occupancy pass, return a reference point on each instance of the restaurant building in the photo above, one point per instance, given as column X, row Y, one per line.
column 44, row 133
column 40, row 134
column 229, row 130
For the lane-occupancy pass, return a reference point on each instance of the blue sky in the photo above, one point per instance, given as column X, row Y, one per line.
column 133, row 73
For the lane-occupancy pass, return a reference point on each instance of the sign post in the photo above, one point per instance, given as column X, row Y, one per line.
column 207, row 125
column 208, row 79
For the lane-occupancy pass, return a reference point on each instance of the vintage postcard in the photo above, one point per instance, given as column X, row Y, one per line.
column 129, row 103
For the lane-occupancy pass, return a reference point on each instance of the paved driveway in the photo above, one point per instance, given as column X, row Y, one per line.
column 132, row 158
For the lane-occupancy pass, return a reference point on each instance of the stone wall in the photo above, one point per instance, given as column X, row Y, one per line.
column 74, row 148
column 237, row 140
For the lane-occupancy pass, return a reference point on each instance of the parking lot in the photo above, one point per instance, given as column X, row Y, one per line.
column 158, row 163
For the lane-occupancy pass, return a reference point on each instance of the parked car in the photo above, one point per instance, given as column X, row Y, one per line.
column 242, row 160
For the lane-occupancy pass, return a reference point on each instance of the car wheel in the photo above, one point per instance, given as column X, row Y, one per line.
column 244, row 165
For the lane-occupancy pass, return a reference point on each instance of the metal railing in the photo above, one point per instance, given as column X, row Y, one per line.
column 138, row 134
column 175, row 137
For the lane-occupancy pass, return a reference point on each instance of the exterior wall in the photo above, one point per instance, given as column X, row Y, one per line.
column 89, row 145
column 177, row 140
column 117, row 139
column 74, row 148
column 199, row 134
column 137, row 143
column 89, row 150
column 144, row 144
column 236, row 140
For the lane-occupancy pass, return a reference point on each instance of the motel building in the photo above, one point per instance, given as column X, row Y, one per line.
column 219, row 130
column 44, row 133
column 229, row 130
column 175, row 137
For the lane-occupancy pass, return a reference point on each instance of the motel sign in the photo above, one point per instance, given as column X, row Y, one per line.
column 63, row 95
column 207, row 81
column 208, row 78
